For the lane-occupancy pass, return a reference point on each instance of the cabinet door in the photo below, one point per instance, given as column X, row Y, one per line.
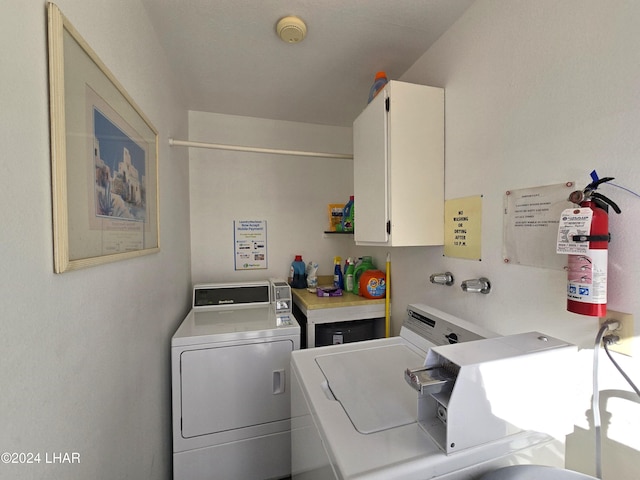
column 398, row 167
column 230, row 387
column 415, row 159
column 370, row 173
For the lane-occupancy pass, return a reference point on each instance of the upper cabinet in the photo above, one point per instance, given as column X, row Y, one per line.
column 398, row 147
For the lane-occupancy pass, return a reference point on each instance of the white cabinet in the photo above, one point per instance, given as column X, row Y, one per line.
column 398, row 145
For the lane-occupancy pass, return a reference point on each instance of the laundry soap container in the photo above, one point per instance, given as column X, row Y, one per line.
column 379, row 82
column 366, row 264
column 298, row 275
column 373, row 284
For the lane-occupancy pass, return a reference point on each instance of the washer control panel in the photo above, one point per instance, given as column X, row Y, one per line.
column 440, row 328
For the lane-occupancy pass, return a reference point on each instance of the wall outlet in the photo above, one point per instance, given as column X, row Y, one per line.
column 625, row 331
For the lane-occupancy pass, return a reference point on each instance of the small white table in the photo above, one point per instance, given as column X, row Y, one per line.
column 348, row 307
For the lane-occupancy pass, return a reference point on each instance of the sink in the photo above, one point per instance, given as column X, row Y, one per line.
column 534, row 472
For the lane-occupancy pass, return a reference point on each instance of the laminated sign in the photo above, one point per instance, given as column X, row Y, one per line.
column 530, row 225
column 250, row 242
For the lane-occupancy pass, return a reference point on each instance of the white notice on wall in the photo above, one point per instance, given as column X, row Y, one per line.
column 463, row 227
column 250, row 242
column 530, row 226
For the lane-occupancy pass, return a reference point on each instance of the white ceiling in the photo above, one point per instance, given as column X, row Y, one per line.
column 228, row 58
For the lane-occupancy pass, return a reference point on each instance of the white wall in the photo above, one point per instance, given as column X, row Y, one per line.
column 538, row 93
column 85, row 354
column 290, row 192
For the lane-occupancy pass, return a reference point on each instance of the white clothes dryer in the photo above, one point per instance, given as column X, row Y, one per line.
column 355, row 417
column 230, row 363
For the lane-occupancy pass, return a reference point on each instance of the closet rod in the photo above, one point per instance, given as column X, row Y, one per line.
column 219, row 146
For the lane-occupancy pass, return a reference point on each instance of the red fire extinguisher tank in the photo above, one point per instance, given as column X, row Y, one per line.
column 587, row 277
column 587, row 272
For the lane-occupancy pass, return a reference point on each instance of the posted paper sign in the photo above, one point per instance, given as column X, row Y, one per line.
column 463, row 227
column 250, row 240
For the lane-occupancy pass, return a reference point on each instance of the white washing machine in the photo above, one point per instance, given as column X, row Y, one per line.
column 230, row 364
column 354, row 415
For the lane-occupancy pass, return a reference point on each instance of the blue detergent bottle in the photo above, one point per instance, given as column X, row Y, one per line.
column 298, row 274
column 379, row 82
column 338, row 279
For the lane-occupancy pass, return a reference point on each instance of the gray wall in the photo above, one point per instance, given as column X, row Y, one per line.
column 85, row 354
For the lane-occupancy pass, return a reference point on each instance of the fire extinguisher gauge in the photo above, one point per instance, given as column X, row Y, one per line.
column 576, row 197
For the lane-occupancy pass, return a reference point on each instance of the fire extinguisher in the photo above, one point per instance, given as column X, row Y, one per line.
column 587, row 276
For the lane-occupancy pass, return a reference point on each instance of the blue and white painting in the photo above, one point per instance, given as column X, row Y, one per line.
column 120, row 185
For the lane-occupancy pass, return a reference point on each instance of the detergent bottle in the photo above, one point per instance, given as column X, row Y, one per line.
column 366, row 264
column 297, row 275
column 348, row 275
column 373, row 284
column 379, row 82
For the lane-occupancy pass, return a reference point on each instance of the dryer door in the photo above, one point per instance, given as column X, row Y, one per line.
column 229, row 387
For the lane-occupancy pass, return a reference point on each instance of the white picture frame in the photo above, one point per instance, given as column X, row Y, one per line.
column 104, row 158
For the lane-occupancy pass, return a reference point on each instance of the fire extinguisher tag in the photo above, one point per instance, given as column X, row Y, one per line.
column 574, row 222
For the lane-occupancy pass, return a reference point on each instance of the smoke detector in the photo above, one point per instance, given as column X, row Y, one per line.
column 291, row 29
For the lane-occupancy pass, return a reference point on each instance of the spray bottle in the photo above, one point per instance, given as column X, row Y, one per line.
column 348, row 275
column 338, row 280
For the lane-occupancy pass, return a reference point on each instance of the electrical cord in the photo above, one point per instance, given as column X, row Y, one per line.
column 607, row 341
column 595, row 400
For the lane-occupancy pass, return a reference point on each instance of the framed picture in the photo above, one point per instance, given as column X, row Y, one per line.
column 104, row 158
